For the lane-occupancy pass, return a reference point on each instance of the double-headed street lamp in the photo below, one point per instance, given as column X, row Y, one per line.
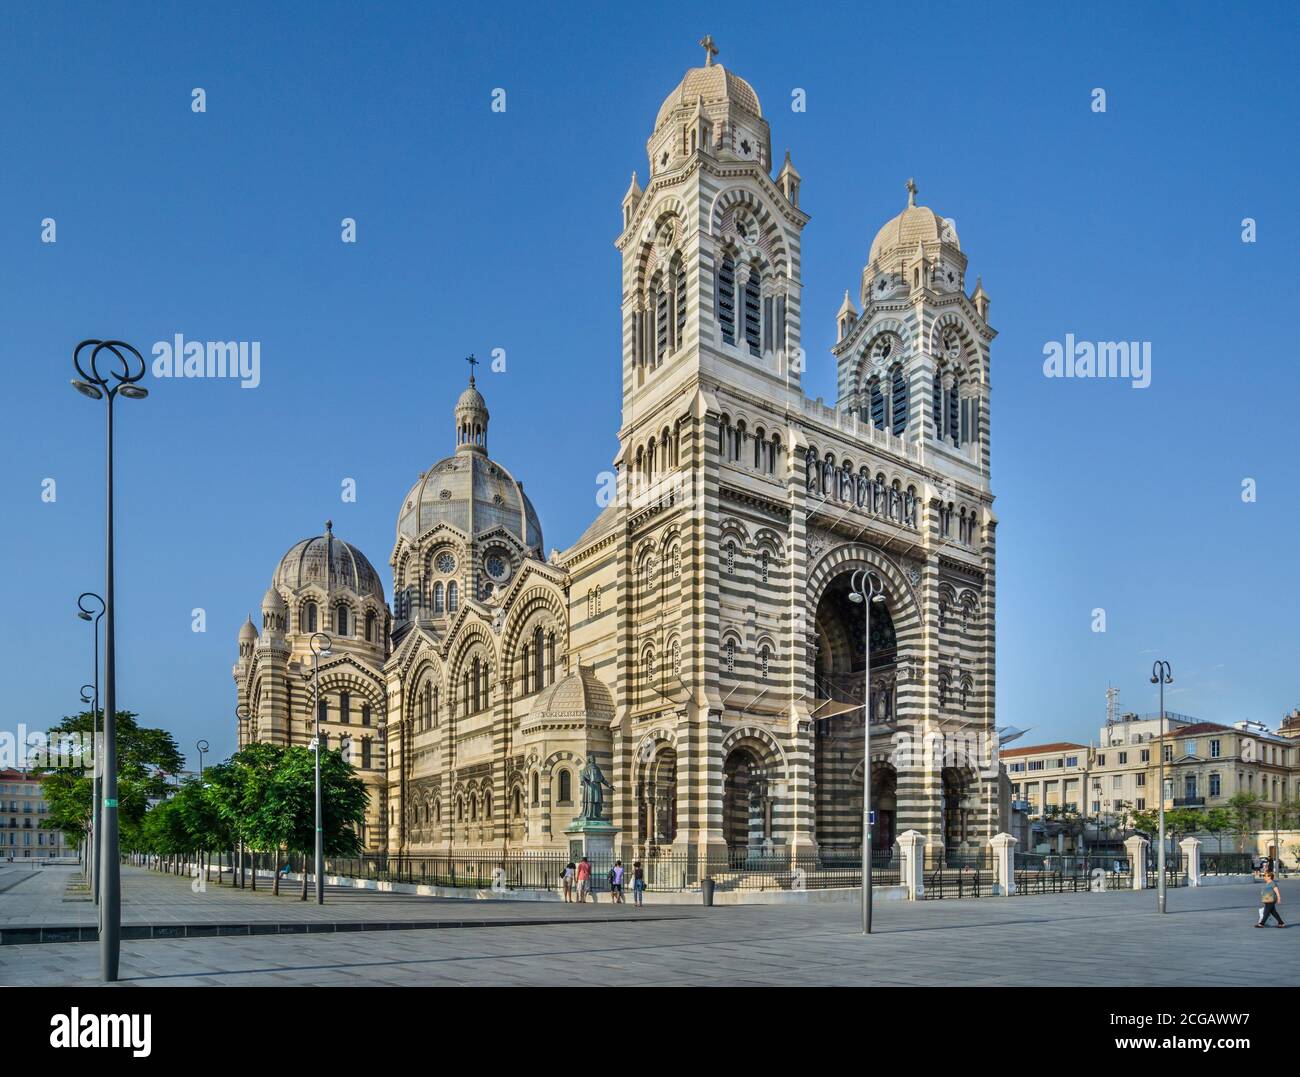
column 123, row 368
column 1161, row 674
column 868, row 590
column 320, row 648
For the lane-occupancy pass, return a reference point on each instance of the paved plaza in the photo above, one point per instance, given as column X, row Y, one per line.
column 1207, row 938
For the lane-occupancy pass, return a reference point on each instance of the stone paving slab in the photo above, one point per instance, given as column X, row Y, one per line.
column 1206, row 938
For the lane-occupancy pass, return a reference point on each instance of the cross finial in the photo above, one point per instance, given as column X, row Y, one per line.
column 911, row 192
column 472, row 364
column 329, row 527
column 710, row 50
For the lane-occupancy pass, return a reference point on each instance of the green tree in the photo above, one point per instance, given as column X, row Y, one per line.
column 239, row 788
column 205, row 828
column 144, row 759
column 1216, row 822
column 293, row 800
column 1243, row 808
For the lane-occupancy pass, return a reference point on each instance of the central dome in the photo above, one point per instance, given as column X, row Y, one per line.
column 713, row 83
column 470, row 491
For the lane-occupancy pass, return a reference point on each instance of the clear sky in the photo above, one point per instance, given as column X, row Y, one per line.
column 479, row 230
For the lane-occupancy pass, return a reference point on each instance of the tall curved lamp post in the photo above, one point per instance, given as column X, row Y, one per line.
column 868, row 590
column 89, row 695
column 106, row 368
column 320, row 648
column 203, row 747
column 1161, row 674
column 87, row 611
column 242, row 714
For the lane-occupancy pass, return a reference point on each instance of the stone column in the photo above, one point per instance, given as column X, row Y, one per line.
column 1191, row 848
column 1137, row 847
column 1004, row 864
column 911, row 867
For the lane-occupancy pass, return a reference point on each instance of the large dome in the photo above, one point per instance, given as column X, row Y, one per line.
column 473, row 494
column 329, row 563
column 713, row 83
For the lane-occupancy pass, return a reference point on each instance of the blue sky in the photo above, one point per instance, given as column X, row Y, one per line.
column 481, row 230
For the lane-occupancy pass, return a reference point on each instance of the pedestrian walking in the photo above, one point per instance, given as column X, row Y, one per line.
column 638, row 881
column 1270, row 898
column 566, row 877
column 616, row 882
column 584, row 880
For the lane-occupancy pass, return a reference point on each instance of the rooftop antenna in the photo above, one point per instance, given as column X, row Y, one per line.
column 1112, row 704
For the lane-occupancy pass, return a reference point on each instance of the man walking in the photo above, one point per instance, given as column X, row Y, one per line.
column 1270, row 898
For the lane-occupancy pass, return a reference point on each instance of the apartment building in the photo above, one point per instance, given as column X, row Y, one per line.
column 24, row 820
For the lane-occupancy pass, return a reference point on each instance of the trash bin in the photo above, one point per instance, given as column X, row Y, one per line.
column 706, row 889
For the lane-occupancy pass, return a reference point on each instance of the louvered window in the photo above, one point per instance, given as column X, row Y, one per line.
column 899, row 403
column 727, row 300
column 877, row 406
column 753, row 314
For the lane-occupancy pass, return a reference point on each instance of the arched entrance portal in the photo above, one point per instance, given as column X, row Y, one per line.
column 657, row 800
column 746, row 804
column 839, row 668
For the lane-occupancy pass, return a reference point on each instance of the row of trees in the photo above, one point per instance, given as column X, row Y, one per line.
column 261, row 799
column 264, row 799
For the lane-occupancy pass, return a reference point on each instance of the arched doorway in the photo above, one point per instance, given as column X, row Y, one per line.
column 839, row 669
column 746, row 804
column 657, row 799
column 957, row 821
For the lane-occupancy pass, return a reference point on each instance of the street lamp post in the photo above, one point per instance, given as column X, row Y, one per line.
column 93, row 616
column 203, row 747
column 868, row 590
column 90, row 844
column 125, row 367
column 242, row 715
column 320, row 648
column 1161, row 674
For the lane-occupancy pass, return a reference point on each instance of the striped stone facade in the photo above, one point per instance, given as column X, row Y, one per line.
column 699, row 640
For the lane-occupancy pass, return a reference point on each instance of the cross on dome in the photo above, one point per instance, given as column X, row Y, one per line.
column 911, row 192
column 710, row 50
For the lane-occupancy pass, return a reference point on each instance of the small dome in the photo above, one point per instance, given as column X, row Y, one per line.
column 329, row 563
column 247, row 631
column 916, row 224
column 273, row 600
column 714, row 84
column 576, row 694
column 471, row 398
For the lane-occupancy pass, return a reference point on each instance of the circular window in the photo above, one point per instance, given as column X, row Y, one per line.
column 446, row 563
column 497, row 566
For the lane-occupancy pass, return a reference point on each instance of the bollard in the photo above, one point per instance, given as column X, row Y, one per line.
column 706, row 891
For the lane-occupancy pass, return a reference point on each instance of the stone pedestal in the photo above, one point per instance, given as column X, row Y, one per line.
column 593, row 839
column 911, row 867
column 1004, row 864
column 1191, row 848
column 1137, row 847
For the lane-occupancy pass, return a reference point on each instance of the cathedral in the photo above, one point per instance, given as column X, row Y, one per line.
column 701, row 641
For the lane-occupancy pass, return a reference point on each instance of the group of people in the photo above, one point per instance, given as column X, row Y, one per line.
column 577, row 877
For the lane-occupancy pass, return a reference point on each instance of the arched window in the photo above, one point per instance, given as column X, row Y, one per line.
column 727, row 299
column 938, row 404
column 536, row 790
column 729, row 655
column 365, row 713
column 487, row 805
column 370, row 627
column 676, row 652
column 539, row 672
column 738, row 441
column 453, row 597
column 566, row 787
column 473, row 808
column 899, row 403
column 763, row 564
column 437, row 599
column 724, row 437
column 954, row 406
column 764, row 661
column 660, row 293
column 311, row 617
column 517, row 802
column 731, row 558
column 345, row 707
column 773, row 453
column 753, row 313
column 679, row 299
column 341, row 619
column 877, row 405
